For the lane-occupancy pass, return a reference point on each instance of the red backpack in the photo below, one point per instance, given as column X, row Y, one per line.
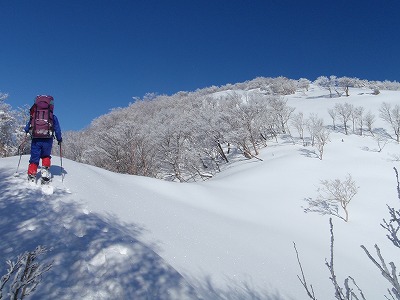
column 42, row 117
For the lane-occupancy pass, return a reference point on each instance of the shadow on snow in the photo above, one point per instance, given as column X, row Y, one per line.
column 94, row 257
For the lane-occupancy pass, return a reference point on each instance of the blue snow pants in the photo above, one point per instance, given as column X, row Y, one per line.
column 40, row 148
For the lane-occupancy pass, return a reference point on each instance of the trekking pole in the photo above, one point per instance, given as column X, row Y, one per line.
column 20, row 148
column 62, row 170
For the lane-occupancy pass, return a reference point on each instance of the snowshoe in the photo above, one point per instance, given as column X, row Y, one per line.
column 45, row 175
column 31, row 178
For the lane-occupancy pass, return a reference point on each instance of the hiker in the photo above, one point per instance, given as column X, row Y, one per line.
column 43, row 126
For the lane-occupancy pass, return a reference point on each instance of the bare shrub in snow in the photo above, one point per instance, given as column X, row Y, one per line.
column 348, row 291
column 381, row 142
column 332, row 194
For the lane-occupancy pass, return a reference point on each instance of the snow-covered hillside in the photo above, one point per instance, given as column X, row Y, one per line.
column 115, row 236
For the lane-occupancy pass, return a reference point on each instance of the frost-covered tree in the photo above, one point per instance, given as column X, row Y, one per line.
column 173, row 137
column 299, row 123
column 314, row 125
column 115, row 142
column 244, row 117
column 392, row 116
column 369, row 120
column 324, row 83
column 334, row 83
column 329, row 84
column 331, row 195
column 24, row 274
column 76, row 145
column 344, row 83
column 210, row 134
column 319, row 134
column 280, row 111
column 321, row 139
column 273, row 86
column 109, row 138
column 344, row 112
column 176, row 142
column 283, row 86
column 188, row 135
column 303, row 84
column 333, row 114
column 358, row 118
column 10, row 132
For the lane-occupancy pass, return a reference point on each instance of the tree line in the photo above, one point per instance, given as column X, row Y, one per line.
column 189, row 135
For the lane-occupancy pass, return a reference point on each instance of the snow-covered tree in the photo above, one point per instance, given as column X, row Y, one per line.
column 9, row 130
column 329, row 84
column 303, row 84
column 369, row 120
column 392, row 116
column 188, row 135
column 299, row 123
column 358, row 115
column 319, row 134
column 324, row 83
column 344, row 112
column 283, row 86
column 314, row 125
column 76, row 145
column 344, row 83
column 244, row 117
column 333, row 114
column 281, row 112
column 321, row 139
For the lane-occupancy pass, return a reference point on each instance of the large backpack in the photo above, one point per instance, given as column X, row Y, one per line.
column 42, row 117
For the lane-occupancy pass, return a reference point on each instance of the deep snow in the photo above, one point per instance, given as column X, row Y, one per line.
column 115, row 236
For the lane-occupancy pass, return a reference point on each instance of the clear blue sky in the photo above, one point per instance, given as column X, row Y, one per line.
column 94, row 55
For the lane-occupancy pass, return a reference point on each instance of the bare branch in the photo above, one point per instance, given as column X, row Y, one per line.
column 26, row 274
column 390, row 276
column 310, row 291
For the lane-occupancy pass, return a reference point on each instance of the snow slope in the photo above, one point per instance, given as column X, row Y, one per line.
column 115, row 236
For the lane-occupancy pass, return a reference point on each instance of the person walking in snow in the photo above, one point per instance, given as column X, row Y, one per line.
column 43, row 127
